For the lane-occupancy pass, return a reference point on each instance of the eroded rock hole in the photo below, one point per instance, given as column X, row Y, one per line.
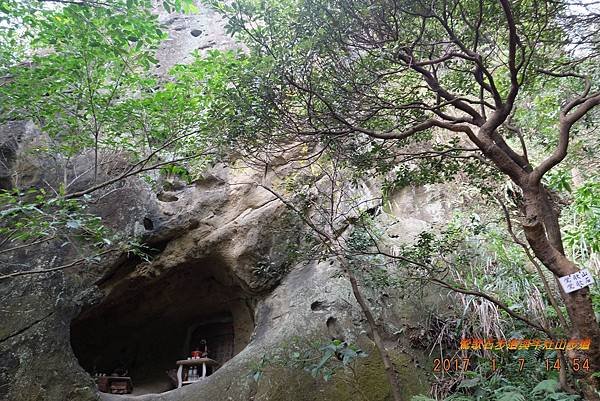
column 148, row 224
column 317, row 305
column 334, row 329
column 167, row 197
column 144, row 325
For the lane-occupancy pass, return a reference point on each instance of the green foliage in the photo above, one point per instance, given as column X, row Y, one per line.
column 582, row 232
column 268, row 270
column 335, row 349
column 83, row 72
column 560, row 180
column 186, row 6
column 82, row 60
column 472, row 254
column 172, row 170
column 421, row 398
column 509, row 393
column 32, row 215
column 133, row 247
column 334, row 69
column 258, row 368
column 320, row 73
column 320, row 360
column 533, row 383
column 87, row 81
column 546, row 386
column 456, row 397
column 448, row 164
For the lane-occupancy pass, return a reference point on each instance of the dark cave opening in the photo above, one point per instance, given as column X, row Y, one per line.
column 147, row 322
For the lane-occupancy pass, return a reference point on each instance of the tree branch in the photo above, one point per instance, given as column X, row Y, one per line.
column 54, row 269
column 566, row 121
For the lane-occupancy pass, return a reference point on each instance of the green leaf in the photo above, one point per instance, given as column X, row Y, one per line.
column 509, row 394
column 469, row 383
column 546, row 386
column 257, row 375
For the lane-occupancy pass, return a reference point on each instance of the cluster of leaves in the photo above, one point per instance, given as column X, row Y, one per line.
column 87, row 81
column 582, row 230
column 30, row 218
column 338, row 73
column 509, row 382
column 32, row 215
column 582, row 233
column 446, row 162
column 473, row 255
column 188, row 112
column 479, row 256
column 268, row 269
column 81, row 59
column 580, row 217
column 320, row 360
column 82, row 71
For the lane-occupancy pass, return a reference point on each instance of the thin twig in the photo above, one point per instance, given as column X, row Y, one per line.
column 54, row 269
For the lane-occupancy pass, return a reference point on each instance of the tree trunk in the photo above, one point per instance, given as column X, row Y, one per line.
column 390, row 370
column 542, row 231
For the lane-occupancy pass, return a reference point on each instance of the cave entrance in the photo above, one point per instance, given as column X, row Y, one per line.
column 146, row 323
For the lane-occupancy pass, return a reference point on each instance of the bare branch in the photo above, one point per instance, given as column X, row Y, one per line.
column 566, row 121
column 496, row 302
column 15, row 248
column 54, row 269
column 129, row 173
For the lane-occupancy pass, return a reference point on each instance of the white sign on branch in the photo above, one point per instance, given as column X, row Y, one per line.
column 576, row 281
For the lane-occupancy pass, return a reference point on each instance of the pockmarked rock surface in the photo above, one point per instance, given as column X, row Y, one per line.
column 221, row 248
column 191, row 33
column 221, row 253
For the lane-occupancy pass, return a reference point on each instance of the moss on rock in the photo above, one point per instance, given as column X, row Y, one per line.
column 364, row 380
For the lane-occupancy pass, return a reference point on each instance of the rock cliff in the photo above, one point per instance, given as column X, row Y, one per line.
column 221, row 257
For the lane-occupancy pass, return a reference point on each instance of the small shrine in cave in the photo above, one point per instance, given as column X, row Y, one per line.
column 196, row 367
column 156, row 336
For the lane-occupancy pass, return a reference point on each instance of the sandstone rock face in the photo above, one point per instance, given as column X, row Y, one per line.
column 20, row 164
column 421, row 208
column 221, row 254
column 189, row 33
column 221, row 251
